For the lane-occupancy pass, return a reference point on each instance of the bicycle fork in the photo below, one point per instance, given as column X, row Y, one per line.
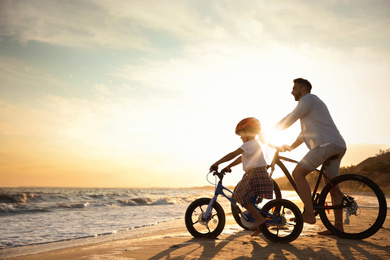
column 206, row 215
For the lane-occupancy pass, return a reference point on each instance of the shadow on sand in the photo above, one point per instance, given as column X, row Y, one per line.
column 238, row 244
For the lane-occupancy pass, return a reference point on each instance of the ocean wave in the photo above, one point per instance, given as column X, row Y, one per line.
column 6, row 209
column 41, row 200
column 163, row 201
column 96, row 196
column 142, row 201
column 16, row 198
column 73, row 206
column 126, row 203
column 134, row 202
column 150, row 202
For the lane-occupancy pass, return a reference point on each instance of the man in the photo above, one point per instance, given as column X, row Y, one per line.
column 321, row 136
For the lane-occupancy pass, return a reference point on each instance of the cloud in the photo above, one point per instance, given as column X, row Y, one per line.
column 101, row 24
column 103, row 89
column 11, row 68
column 80, row 24
column 147, row 25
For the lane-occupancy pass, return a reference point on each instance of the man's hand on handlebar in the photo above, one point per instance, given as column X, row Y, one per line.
column 284, row 148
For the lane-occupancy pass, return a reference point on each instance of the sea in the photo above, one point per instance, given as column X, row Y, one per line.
column 30, row 216
column 41, row 216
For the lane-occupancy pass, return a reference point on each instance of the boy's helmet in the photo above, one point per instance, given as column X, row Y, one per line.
column 250, row 124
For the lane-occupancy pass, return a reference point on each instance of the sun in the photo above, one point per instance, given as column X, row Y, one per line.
column 274, row 138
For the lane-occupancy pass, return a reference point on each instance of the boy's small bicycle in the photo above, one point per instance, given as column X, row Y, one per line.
column 360, row 202
column 205, row 218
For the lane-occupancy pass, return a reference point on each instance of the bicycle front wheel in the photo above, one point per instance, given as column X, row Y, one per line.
column 363, row 209
column 210, row 227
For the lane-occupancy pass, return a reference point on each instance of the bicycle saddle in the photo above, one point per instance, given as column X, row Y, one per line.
column 333, row 157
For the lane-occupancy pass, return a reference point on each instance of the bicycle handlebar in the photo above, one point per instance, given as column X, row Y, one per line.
column 219, row 174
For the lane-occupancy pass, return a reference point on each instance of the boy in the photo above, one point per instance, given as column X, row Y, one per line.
column 256, row 180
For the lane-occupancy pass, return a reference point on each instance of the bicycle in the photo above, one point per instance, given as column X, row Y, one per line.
column 361, row 199
column 205, row 218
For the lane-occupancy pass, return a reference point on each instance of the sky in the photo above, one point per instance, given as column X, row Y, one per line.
column 100, row 93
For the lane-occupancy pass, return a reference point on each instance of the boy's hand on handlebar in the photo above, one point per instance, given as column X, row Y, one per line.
column 213, row 168
column 225, row 170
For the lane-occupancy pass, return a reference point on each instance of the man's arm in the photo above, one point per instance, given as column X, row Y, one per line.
column 303, row 107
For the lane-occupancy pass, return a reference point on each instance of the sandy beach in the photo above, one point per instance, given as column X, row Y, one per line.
column 170, row 240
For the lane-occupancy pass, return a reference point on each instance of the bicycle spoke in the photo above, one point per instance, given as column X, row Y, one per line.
column 207, row 226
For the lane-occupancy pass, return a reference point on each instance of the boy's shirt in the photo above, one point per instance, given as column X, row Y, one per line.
column 253, row 155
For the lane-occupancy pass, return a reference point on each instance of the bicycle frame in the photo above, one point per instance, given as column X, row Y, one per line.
column 315, row 196
column 219, row 190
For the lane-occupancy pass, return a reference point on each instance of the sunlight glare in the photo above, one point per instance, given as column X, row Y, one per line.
column 273, row 138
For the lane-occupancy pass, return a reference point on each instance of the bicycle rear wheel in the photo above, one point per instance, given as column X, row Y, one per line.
column 364, row 207
column 247, row 221
column 284, row 221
